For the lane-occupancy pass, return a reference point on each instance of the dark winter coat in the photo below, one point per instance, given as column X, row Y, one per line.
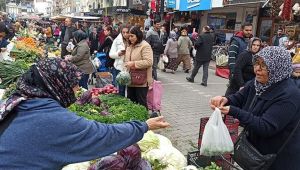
column 157, row 41
column 204, row 46
column 243, row 71
column 273, row 117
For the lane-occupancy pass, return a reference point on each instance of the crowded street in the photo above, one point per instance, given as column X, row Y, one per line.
column 149, row 85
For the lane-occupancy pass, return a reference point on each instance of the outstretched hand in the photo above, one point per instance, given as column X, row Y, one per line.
column 157, row 123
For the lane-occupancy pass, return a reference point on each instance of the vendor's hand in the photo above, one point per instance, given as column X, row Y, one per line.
column 129, row 65
column 157, row 123
column 224, row 109
column 218, row 101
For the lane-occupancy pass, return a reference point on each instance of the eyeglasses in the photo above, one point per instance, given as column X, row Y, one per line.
column 262, row 66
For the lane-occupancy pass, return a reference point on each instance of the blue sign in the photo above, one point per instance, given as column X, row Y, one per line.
column 171, row 3
column 194, row 5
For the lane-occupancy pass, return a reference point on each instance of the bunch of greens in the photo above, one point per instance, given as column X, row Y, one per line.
column 113, row 109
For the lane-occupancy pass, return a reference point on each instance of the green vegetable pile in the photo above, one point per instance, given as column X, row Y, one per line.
column 119, row 110
column 213, row 166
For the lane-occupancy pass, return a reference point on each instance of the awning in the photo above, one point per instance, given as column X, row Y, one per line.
column 242, row 2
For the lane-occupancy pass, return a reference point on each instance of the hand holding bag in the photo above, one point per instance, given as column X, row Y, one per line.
column 248, row 157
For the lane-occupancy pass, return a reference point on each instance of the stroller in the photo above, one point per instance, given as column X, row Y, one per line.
column 154, row 97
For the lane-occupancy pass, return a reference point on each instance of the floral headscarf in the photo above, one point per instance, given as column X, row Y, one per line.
column 49, row 78
column 279, row 66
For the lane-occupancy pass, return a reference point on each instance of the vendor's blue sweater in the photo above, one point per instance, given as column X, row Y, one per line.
column 45, row 135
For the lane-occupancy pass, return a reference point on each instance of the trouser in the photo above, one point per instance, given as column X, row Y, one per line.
column 197, row 66
column 138, row 95
column 121, row 88
column 64, row 51
column 154, row 66
column 84, row 81
column 186, row 59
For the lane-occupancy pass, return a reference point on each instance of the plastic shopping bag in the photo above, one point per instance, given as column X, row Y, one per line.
column 161, row 64
column 165, row 58
column 154, row 96
column 216, row 139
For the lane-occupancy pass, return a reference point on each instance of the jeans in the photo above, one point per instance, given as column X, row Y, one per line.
column 84, row 81
column 154, row 66
column 197, row 66
column 121, row 88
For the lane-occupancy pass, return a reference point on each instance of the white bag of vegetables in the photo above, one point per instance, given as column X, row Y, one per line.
column 216, row 139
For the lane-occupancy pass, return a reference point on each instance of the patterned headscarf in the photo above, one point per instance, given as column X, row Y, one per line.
column 49, row 78
column 173, row 35
column 251, row 41
column 279, row 66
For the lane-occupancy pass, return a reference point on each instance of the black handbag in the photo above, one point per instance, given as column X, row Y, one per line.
column 248, row 157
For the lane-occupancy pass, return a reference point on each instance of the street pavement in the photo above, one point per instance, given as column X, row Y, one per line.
column 184, row 103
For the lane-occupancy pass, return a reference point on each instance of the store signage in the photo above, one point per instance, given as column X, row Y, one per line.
column 194, row 5
column 123, row 10
column 171, row 4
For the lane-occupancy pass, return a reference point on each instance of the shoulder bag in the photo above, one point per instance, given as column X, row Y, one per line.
column 248, row 157
column 138, row 76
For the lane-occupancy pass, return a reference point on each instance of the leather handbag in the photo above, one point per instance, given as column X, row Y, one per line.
column 248, row 157
column 138, row 76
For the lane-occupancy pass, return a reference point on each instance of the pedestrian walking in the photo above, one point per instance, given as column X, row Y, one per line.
column 171, row 51
column 184, row 46
column 203, row 46
column 66, row 36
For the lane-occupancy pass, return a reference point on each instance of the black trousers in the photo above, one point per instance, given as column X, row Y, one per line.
column 138, row 95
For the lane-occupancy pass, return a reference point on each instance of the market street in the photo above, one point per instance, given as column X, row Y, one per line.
column 184, row 103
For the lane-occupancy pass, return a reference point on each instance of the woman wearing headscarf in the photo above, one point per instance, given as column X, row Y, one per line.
column 284, row 42
column 274, row 111
column 184, row 46
column 37, row 131
column 244, row 67
column 171, row 52
column 81, row 57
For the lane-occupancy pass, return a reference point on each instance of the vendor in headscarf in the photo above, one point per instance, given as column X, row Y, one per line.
column 37, row 131
column 81, row 57
column 171, row 51
column 244, row 66
column 275, row 111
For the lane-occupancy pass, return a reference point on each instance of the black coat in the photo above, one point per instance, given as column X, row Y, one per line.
column 93, row 42
column 243, row 71
column 272, row 119
column 204, row 46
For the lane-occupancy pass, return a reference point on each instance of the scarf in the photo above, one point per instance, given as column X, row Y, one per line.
column 50, row 78
column 279, row 66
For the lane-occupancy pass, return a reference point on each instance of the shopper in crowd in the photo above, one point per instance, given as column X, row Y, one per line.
column 184, row 46
column 93, row 38
column 156, row 39
column 171, row 51
column 296, row 69
column 117, row 52
column 3, row 40
column 39, row 132
column 244, row 67
column 275, row 109
column 81, row 57
column 284, row 42
column 139, row 56
column 105, row 47
column 238, row 44
column 66, row 36
column 203, row 46
column 56, row 32
column 275, row 39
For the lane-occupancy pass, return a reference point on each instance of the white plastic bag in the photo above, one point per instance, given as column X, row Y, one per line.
column 216, row 139
column 70, row 47
column 194, row 51
column 161, row 64
column 165, row 58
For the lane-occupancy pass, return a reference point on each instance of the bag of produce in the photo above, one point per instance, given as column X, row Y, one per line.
column 216, row 139
column 124, row 78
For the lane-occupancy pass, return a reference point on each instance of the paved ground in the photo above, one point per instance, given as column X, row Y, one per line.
column 185, row 103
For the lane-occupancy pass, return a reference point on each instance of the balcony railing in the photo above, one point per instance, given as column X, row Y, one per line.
column 241, row 2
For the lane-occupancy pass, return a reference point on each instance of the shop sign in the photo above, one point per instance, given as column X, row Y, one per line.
column 171, row 3
column 194, row 5
column 123, row 10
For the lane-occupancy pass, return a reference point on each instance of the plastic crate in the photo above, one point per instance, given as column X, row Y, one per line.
column 194, row 158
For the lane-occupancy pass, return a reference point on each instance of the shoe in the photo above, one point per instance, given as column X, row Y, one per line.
column 203, row 84
column 189, row 79
column 186, row 71
column 172, row 72
column 164, row 70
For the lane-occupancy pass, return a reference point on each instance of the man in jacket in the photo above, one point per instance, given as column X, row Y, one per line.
column 203, row 46
column 67, row 36
column 275, row 39
column 238, row 44
column 156, row 39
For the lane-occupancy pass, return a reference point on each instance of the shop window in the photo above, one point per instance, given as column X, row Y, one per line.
column 222, row 21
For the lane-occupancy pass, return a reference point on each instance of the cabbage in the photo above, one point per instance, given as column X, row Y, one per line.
column 164, row 141
column 190, row 167
column 77, row 166
column 124, row 78
column 132, row 155
column 169, row 156
column 150, row 141
column 116, row 162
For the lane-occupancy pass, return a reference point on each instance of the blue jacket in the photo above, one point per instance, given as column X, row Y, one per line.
column 274, row 115
column 45, row 135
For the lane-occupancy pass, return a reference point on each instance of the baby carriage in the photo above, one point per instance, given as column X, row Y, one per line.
column 154, row 97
